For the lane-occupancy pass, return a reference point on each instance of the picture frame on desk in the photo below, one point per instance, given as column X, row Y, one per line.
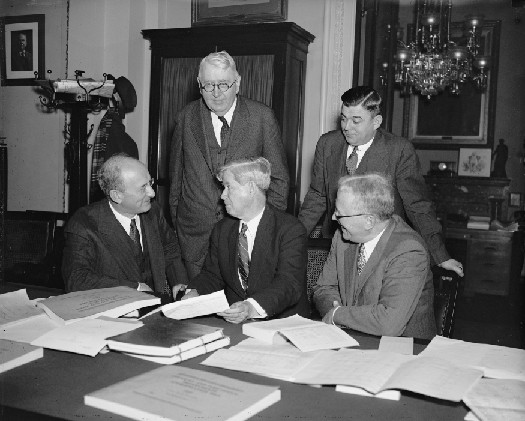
column 515, row 199
column 22, row 49
column 474, row 162
column 233, row 12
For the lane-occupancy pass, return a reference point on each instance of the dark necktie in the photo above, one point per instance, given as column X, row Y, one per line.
column 135, row 237
column 361, row 259
column 224, row 129
column 351, row 162
column 243, row 257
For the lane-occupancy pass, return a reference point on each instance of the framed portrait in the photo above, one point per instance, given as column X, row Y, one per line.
column 447, row 121
column 22, row 49
column 515, row 199
column 232, row 12
column 474, row 162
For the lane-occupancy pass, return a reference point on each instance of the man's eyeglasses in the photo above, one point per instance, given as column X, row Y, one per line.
column 150, row 183
column 339, row 217
column 223, row 86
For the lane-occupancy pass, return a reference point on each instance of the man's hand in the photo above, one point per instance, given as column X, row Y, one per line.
column 176, row 289
column 239, row 312
column 329, row 317
column 190, row 294
column 452, row 264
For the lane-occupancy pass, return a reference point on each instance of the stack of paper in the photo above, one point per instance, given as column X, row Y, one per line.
column 478, row 222
column 110, row 302
column 180, row 393
column 305, row 334
column 197, row 306
column 168, row 341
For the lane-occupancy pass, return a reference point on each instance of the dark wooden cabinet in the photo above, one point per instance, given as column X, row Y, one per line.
column 175, row 56
column 493, row 260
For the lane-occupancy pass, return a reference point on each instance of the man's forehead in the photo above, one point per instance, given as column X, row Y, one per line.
column 353, row 110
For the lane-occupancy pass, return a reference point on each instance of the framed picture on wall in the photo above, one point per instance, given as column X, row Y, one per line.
column 474, row 162
column 515, row 199
column 22, row 49
column 233, row 12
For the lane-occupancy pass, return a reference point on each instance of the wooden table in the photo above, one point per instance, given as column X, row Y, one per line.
column 54, row 387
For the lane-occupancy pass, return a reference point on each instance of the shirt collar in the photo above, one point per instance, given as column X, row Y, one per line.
column 253, row 223
column 370, row 245
column 228, row 116
column 123, row 220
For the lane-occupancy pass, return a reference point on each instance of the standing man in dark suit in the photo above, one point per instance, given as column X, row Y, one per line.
column 377, row 277
column 258, row 257
column 360, row 147
column 124, row 239
column 209, row 133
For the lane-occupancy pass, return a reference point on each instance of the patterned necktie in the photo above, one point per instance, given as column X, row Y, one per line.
column 135, row 237
column 361, row 259
column 243, row 257
column 224, row 129
column 351, row 162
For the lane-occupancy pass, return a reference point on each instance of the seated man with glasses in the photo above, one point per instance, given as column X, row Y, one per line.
column 209, row 133
column 122, row 240
column 377, row 277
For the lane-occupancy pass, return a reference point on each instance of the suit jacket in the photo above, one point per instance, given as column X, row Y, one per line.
column 393, row 296
column 98, row 252
column 394, row 157
column 195, row 191
column 277, row 278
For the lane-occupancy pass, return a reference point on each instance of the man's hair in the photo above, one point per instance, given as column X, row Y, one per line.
column 258, row 170
column 372, row 193
column 110, row 173
column 365, row 96
column 219, row 59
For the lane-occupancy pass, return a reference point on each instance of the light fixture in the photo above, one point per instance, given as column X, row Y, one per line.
column 431, row 61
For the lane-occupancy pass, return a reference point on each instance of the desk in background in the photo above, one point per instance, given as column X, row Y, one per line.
column 54, row 388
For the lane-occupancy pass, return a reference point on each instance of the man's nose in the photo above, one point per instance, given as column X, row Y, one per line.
column 150, row 192
column 216, row 91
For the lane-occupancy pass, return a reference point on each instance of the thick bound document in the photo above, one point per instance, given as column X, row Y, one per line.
column 16, row 308
column 184, row 394
column 164, row 337
column 186, row 355
column 14, row 354
column 110, row 302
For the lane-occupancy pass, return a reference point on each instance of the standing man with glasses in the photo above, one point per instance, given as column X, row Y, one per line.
column 210, row 132
column 377, row 277
column 361, row 146
column 123, row 240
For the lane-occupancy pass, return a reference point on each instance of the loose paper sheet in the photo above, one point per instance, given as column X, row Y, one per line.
column 29, row 330
column 197, row 306
column 87, row 336
column 267, row 331
column 397, row 344
column 16, row 307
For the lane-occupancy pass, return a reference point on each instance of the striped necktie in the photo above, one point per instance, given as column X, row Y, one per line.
column 361, row 259
column 135, row 237
column 243, row 257
column 351, row 162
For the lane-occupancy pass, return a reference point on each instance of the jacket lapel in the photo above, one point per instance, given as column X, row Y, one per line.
column 118, row 242
column 240, row 131
column 155, row 249
column 375, row 156
column 202, row 131
column 233, row 237
column 262, row 241
column 374, row 260
column 337, row 149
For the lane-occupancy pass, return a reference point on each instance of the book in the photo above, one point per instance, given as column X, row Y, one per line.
column 110, row 302
column 197, row 306
column 305, row 334
column 478, row 222
column 14, row 354
column 164, row 337
column 391, row 395
column 16, row 308
column 186, row 355
column 184, row 394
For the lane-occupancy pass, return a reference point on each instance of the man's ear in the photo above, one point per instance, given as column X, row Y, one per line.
column 378, row 119
column 238, row 84
column 115, row 196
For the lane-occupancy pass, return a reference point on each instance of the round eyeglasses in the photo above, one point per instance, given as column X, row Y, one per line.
column 339, row 217
column 222, row 86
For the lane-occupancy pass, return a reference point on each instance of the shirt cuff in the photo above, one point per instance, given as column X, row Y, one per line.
column 333, row 314
column 261, row 313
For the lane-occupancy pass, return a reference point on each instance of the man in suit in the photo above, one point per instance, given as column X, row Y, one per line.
column 21, row 57
column 210, row 132
column 259, row 256
column 360, row 147
column 377, row 277
column 124, row 239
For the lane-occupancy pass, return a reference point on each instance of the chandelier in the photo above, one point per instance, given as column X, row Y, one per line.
column 431, row 61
